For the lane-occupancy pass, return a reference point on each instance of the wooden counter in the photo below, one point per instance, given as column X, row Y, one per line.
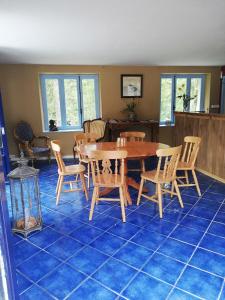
column 211, row 128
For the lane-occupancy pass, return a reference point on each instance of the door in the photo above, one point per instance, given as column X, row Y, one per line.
column 8, row 286
column 222, row 103
column 3, row 142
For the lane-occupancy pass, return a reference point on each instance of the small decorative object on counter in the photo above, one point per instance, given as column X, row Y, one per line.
column 25, row 198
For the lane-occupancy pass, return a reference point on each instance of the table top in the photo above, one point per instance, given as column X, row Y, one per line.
column 134, row 149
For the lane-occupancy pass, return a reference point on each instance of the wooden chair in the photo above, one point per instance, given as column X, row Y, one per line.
column 135, row 136
column 104, row 176
column 97, row 126
column 67, row 171
column 187, row 163
column 164, row 174
column 81, row 139
column 31, row 145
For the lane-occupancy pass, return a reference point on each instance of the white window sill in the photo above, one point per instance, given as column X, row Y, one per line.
column 63, row 131
column 166, row 125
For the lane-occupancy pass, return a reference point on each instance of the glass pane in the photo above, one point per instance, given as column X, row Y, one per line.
column 166, row 100
column 181, row 89
column 71, row 102
column 53, row 103
column 195, row 92
column 89, row 107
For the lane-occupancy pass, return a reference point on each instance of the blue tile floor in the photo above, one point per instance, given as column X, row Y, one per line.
column 179, row 257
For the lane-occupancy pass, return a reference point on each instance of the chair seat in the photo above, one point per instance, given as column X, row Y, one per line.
column 85, row 160
column 184, row 166
column 39, row 149
column 110, row 180
column 151, row 175
column 73, row 169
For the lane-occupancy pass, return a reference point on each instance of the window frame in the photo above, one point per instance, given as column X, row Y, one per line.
column 188, row 89
column 62, row 98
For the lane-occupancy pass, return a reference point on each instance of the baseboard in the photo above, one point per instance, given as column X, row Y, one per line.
column 211, row 175
column 16, row 158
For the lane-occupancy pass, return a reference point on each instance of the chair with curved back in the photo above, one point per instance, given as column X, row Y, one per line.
column 187, row 162
column 67, row 171
column 97, row 126
column 135, row 136
column 32, row 146
column 108, row 172
column 81, row 139
column 164, row 174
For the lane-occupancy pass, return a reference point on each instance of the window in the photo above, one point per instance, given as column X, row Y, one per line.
column 69, row 100
column 173, row 86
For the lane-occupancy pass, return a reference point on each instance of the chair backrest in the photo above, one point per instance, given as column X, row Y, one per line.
column 23, row 132
column 82, row 139
column 55, row 144
column 191, row 148
column 167, row 163
column 133, row 136
column 104, row 164
column 96, row 126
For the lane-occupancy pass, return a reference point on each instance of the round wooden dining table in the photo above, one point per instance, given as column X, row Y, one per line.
column 135, row 150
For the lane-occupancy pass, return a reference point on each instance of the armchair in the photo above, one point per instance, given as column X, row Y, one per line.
column 32, row 146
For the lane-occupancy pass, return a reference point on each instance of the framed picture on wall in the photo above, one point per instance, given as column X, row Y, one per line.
column 131, row 86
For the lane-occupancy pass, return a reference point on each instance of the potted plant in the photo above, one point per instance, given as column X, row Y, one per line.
column 186, row 98
column 130, row 110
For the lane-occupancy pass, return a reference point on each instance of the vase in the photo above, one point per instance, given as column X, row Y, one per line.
column 185, row 107
column 131, row 116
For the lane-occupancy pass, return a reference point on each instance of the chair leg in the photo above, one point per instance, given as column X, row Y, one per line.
column 124, row 195
column 186, row 176
column 142, row 165
column 178, row 193
column 84, row 185
column 172, row 190
column 88, row 175
column 196, row 183
column 61, row 179
column 122, row 204
column 159, row 199
column 93, row 203
column 140, row 191
column 57, row 186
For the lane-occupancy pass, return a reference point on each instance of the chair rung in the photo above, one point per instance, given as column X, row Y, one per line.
column 71, row 182
column 187, row 184
column 168, row 191
column 108, row 199
column 150, row 198
column 136, row 170
column 71, row 190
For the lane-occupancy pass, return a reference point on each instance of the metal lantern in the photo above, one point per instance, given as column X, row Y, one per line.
column 25, row 198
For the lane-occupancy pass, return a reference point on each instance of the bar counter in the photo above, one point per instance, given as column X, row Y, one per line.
column 211, row 128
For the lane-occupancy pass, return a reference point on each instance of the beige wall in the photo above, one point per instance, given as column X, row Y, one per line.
column 21, row 100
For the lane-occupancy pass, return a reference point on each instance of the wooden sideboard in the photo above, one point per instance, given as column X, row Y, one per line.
column 211, row 128
column 117, row 126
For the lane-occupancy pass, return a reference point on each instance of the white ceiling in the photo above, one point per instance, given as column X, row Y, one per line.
column 116, row 32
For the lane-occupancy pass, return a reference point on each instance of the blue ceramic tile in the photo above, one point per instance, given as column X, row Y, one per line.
column 175, row 205
column 91, row 290
column 124, row 230
column 177, row 249
column 217, row 229
column 210, row 204
column 222, row 208
column 214, row 243
column 187, row 235
column 220, row 217
column 35, row 292
column 110, row 274
column 217, row 187
column 148, row 239
column 174, row 216
column 103, row 222
column 161, row 226
column 50, row 217
column 104, row 208
column 181, row 295
column 190, row 192
column 87, row 260
column 62, row 281
column 115, row 212
column 195, row 223
column 202, row 212
column 86, row 233
column 38, row 265
column 133, row 255
column 68, row 209
column 213, row 196
column 187, row 199
column 145, row 287
column 22, row 282
column 149, row 209
column 83, row 216
column 138, row 219
column 200, row 283
column 45, row 237
column 108, row 243
column 67, row 225
column 24, row 250
column 164, row 268
column 16, row 238
column 222, row 296
column 209, row 261
column 64, row 248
